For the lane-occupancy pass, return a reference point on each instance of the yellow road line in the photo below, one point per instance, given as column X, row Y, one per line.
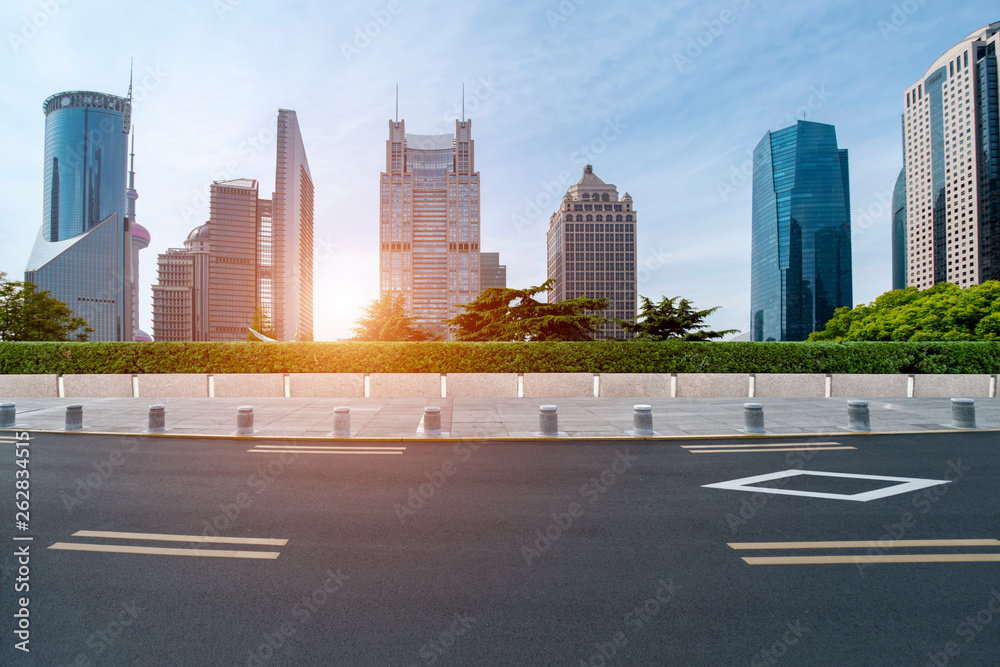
column 776, row 449
column 316, row 451
column 181, row 538
column 860, row 544
column 327, row 447
column 161, row 551
column 773, row 444
column 897, row 558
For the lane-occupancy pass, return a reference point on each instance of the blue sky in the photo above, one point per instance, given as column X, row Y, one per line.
column 665, row 99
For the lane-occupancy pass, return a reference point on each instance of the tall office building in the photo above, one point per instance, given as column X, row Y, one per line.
column 951, row 143
column 899, row 232
column 286, row 282
column 180, row 297
column 591, row 249
column 801, row 243
column 429, row 223
column 83, row 253
column 491, row 272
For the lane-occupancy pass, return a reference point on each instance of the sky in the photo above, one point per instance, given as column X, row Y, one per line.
column 665, row 99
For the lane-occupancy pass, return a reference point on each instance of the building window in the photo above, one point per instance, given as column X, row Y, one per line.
column 590, row 218
column 628, row 218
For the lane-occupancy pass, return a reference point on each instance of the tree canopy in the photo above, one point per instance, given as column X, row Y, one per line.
column 385, row 319
column 664, row 320
column 504, row 314
column 942, row 312
column 29, row 315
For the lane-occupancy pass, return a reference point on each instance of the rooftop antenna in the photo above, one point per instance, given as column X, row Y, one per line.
column 127, row 120
column 397, row 102
column 463, row 102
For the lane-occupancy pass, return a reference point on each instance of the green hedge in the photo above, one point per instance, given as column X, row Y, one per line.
column 600, row 357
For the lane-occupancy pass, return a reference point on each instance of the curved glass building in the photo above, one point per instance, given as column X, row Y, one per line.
column 83, row 253
column 801, row 244
column 899, row 232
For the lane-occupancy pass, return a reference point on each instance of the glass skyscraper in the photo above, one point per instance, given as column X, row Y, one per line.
column 83, row 253
column 899, row 232
column 429, row 215
column 951, row 144
column 801, row 245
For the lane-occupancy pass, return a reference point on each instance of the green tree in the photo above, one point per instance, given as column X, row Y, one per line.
column 665, row 320
column 503, row 314
column 385, row 319
column 262, row 324
column 27, row 314
column 942, row 312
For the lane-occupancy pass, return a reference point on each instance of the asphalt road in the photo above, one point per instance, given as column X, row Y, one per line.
column 554, row 553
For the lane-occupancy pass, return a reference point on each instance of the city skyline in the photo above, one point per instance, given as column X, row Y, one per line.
column 535, row 121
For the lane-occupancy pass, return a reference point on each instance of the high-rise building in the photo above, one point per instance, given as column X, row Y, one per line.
column 429, row 223
column 83, row 253
column 801, row 243
column 951, row 143
column 286, row 281
column 180, row 297
column 899, row 232
column 491, row 272
column 591, row 249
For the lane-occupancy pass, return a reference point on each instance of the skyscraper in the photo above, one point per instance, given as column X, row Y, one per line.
column 899, row 232
column 591, row 249
column 429, row 222
column 286, row 281
column 491, row 272
column 83, row 253
column 951, row 143
column 801, row 244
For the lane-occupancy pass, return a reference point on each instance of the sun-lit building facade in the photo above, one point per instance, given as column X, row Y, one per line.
column 429, row 223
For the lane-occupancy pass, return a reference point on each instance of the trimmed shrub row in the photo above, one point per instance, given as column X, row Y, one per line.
column 597, row 357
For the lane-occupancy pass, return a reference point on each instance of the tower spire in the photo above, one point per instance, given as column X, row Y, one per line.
column 397, row 102
column 463, row 102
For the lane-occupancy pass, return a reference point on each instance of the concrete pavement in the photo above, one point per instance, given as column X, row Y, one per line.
column 494, row 418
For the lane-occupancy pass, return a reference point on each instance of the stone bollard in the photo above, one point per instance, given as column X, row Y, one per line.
column 963, row 413
column 7, row 415
column 432, row 422
column 548, row 420
column 642, row 419
column 74, row 417
column 342, row 422
column 244, row 420
column 157, row 419
column 753, row 418
column 858, row 417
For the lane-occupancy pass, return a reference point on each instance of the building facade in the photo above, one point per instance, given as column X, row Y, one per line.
column 899, row 232
column 951, row 143
column 801, row 243
column 491, row 272
column 429, row 223
column 83, row 253
column 286, row 283
column 592, row 248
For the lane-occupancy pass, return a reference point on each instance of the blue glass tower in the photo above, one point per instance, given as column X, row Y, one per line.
column 899, row 232
column 83, row 253
column 801, row 246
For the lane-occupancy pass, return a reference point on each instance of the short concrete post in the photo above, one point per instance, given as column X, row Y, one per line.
column 244, row 420
column 858, row 417
column 157, row 419
column 432, row 422
column 7, row 415
column 963, row 413
column 548, row 420
column 342, row 422
column 753, row 418
column 642, row 419
column 74, row 417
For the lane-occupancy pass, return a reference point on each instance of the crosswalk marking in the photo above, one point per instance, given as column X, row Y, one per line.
column 163, row 551
column 159, row 537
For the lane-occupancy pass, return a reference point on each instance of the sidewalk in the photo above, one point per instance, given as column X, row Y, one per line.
column 494, row 418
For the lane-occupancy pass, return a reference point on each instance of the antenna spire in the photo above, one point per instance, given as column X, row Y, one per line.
column 397, row 102
column 131, row 65
column 463, row 102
